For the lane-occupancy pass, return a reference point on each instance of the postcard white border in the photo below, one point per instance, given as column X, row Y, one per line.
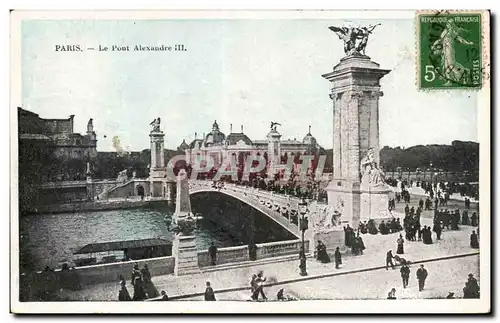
column 334, row 306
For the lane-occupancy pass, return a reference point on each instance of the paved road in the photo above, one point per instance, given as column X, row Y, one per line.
column 453, row 243
column 444, row 276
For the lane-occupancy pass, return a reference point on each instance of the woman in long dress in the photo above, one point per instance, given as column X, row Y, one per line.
column 123, row 295
column 322, row 254
column 400, row 250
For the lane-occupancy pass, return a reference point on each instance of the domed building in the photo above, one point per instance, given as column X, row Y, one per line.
column 183, row 146
column 219, row 146
column 214, row 137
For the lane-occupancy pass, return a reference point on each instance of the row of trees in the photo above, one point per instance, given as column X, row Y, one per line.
column 459, row 156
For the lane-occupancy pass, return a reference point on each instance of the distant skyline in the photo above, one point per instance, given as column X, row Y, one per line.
column 239, row 72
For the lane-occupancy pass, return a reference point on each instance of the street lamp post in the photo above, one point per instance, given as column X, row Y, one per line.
column 303, row 227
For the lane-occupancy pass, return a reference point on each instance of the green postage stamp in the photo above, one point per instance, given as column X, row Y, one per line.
column 450, row 50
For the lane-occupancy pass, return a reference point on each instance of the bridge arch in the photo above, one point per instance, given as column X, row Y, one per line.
column 251, row 200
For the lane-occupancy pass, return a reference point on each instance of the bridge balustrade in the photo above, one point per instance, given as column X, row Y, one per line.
column 280, row 248
column 224, row 256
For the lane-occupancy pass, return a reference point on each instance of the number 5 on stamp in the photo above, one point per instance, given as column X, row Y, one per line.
column 450, row 54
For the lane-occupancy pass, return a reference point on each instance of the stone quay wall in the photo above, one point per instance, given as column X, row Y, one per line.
column 101, row 205
column 95, row 274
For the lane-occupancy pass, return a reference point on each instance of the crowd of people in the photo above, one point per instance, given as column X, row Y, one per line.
column 471, row 289
column 46, row 285
column 141, row 283
column 309, row 189
column 392, row 226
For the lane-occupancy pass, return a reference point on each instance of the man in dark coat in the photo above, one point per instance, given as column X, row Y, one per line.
column 146, row 275
column 465, row 217
column 212, row 251
column 405, row 274
column 474, row 241
column 209, row 293
column 474, row 219
column 383, row 228
column 437, row 229
column 260, row 285
column 388, row 260
column 421, row 277
column 338, row 258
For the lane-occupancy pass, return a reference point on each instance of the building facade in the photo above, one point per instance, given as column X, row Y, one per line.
column 220, row 147
column 58, row 135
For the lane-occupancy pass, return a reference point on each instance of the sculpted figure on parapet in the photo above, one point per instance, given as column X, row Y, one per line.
column 325, row 218
column 371, row 175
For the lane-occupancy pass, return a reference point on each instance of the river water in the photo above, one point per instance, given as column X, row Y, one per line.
column 50, row 240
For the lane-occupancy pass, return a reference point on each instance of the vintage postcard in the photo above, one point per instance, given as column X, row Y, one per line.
column 250, row 162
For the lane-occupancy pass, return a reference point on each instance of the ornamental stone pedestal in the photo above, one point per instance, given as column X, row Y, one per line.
column 184, row 246
column 358, row 191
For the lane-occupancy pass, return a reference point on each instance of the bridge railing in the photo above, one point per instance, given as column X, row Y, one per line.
column 280, row 248
column 224, row 256
column 241, row 253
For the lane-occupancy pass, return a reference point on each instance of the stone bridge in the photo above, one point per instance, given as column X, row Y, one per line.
column 283, row 209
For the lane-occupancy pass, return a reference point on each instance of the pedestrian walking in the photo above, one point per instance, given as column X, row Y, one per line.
column 474, row 241
column 338, row 258
column 139, row 292
column 405, row 274
column 361, row 244
column 260, row 285
column 322, row 254
column 209, row 293
column 400, row 242
column 123, row 295
column 135, row 273
column 212, row 251
column 146, row 275
column 388, row 260
column 437, row 228
column 421, row 277
column 253, row 288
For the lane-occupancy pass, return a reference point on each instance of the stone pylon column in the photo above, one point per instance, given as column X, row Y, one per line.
column 273, row 150
column 157, row 171
column 355, row 92
column 184, row 246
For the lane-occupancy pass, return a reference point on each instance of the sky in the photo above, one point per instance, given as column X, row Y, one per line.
column 240, row 72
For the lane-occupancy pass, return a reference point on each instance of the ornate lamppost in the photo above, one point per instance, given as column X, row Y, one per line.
column 304, row 225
